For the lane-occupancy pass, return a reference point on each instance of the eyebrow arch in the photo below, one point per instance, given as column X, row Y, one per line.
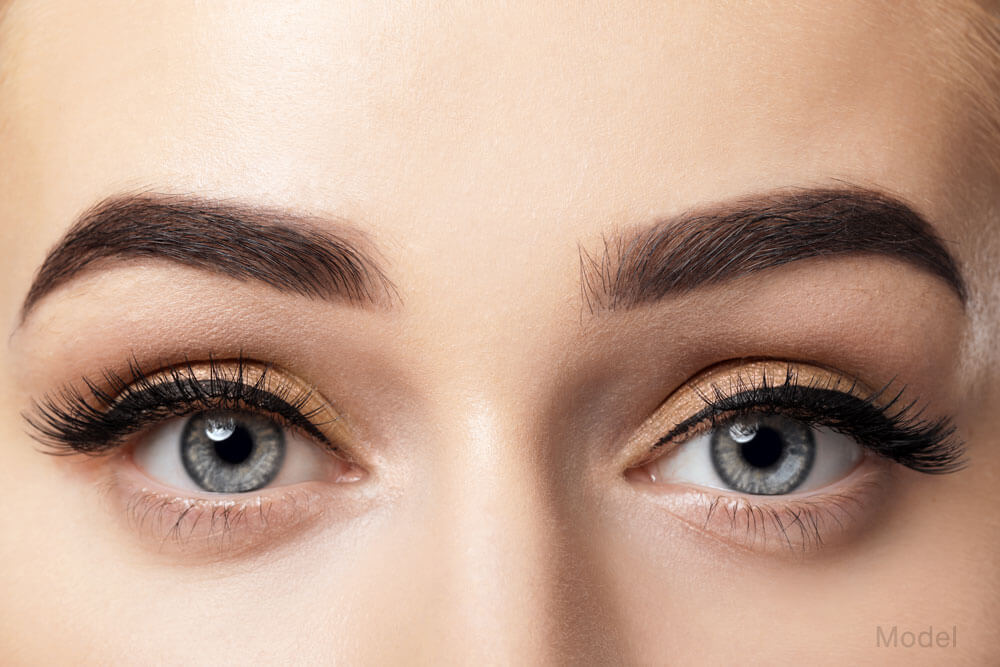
column 750, row 234
column 292, row 253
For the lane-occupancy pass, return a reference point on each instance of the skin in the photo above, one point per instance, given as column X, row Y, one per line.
column 477, row 147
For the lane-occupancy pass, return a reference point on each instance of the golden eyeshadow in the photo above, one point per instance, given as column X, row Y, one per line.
column 727, row 378
column 118, row 407
column 269, row 380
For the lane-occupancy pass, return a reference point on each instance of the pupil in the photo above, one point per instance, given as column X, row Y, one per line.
column 236, row 448
column 764, row 449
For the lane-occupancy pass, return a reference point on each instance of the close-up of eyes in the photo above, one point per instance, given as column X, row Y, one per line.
column 614, row 333
column 232, row 428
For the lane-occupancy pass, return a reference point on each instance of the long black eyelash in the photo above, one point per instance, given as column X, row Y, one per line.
column 891, row 428
column 69, row 422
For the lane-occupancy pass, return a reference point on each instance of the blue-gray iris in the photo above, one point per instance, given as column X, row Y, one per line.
column 765, row 455
column 232, row 452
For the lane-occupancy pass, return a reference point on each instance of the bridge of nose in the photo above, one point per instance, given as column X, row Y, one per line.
column 492, row 568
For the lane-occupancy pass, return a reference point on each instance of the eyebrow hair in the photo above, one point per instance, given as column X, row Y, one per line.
column 750, row 234
column 290, row 252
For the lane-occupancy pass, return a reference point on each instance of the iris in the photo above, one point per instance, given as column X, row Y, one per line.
column 231, row 452
column 765, row 455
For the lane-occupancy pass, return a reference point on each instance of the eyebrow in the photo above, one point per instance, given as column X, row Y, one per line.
column 743, row 236
column 292, row 253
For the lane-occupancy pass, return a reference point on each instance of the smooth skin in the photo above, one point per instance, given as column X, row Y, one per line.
column 480, row 145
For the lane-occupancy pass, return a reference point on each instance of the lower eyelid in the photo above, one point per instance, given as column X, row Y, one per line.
column 199, row 526
column 224, row 527
column 793, row 524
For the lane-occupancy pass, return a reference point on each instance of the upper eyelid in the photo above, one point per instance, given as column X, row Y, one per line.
column 922, row 445
column 742, row 383
column 710, row 412
column 61, row 421
column 896, row 432
column 304, row 422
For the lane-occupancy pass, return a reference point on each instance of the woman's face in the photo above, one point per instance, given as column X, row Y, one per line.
column 553, row 332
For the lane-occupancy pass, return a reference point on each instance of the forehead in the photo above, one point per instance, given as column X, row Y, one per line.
column 529, row 118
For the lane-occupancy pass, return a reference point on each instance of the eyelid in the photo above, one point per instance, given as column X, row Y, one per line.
column 62, row 422
column 659, row 435
column 270, row 381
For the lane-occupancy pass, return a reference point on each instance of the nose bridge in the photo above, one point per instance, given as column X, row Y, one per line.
column 497, row 543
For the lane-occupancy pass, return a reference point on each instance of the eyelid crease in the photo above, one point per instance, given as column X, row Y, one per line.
column 69, row 423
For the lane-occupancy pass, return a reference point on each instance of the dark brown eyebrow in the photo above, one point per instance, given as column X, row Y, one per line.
column 289, row 252
column 743, row 236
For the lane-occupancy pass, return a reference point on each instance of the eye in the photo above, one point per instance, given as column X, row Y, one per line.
column 770, row 455
column 763, row 454
column 212, row 458
column 223, row 451
column 770, row 428
column 220, row 427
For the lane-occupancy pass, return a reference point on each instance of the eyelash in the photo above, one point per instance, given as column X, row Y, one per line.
column 101, row 419
column 802, row 525
column 70, row 423
column 892, row 429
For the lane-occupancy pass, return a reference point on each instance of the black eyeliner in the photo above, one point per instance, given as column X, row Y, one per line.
column 69, row 422
column 893, row 429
